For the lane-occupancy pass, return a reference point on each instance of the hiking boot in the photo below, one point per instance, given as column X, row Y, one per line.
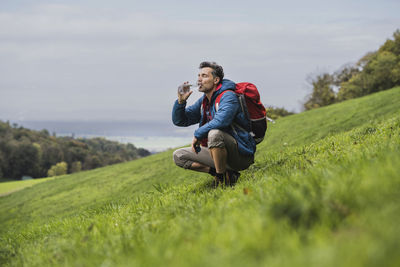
column 231, row 177
column 220, row 181
column 217, row 181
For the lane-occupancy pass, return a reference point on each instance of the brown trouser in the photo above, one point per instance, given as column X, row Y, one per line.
column 184, row 157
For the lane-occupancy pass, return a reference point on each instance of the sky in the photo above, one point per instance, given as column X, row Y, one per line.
column 123, row 60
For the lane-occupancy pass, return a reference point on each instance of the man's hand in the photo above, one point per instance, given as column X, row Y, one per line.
column 195, row 145
column 184, row 92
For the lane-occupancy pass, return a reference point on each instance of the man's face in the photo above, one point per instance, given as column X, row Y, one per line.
column 206, row 80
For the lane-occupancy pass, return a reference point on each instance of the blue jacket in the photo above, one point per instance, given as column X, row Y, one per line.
column 229, row 118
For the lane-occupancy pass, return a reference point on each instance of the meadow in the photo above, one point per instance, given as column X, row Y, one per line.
column 9, row 186
column 324, row 191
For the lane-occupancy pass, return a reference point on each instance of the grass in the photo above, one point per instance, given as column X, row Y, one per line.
column 323, row 191
column 13, row 186
column 313, row 125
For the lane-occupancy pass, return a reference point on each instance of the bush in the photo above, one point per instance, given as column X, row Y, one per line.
column 276, row 113
column 58, row 169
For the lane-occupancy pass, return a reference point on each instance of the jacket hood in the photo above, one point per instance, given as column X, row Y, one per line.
column 225, row 85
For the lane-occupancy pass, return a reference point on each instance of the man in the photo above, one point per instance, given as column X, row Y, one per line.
column 222, row 145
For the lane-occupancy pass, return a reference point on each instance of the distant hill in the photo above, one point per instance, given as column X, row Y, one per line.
column 323, row 191
column 25, row 152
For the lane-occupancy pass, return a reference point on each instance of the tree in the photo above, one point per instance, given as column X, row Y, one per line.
column 76, row 166
column 51, row 154
column 383, row 72
column 322, row 92
column 392, row 46
column 34, row 153
column 345, row 73
column 378, row 71
column 22, row 160
column 92, row 162
column 351, row 89
column 2, row 161
column 143, row 152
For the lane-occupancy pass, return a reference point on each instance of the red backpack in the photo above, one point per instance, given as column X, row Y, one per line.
column 254, row 110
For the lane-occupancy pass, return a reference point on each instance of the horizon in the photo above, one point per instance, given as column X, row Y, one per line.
column 154, row 137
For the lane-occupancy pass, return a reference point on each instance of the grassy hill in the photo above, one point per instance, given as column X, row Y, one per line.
column 323, row 191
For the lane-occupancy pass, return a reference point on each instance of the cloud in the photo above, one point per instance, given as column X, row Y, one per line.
column 55, row 31
column 124, row 61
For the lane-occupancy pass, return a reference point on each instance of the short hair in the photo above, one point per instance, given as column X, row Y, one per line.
column 217, row 71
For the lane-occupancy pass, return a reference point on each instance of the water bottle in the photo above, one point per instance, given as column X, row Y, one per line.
column 184, row 88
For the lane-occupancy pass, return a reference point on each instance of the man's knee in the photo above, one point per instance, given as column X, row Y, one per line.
column 177, row 155
column 179, row 159
column 216, row 138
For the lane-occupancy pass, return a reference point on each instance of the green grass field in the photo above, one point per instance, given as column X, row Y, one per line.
column 324, row 191
column 8, row 187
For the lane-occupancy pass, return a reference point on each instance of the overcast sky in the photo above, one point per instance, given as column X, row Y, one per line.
column 123, row 60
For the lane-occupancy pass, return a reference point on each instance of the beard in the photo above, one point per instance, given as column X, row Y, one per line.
column 204, row 89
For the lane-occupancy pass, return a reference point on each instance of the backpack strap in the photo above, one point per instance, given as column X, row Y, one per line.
column 218, row 99
column 243, row 106
column 242, row 102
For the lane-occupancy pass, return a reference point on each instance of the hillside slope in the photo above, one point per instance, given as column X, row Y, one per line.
column 323, row 190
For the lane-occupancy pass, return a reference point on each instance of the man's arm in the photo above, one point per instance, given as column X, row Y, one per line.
column 182, row 116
